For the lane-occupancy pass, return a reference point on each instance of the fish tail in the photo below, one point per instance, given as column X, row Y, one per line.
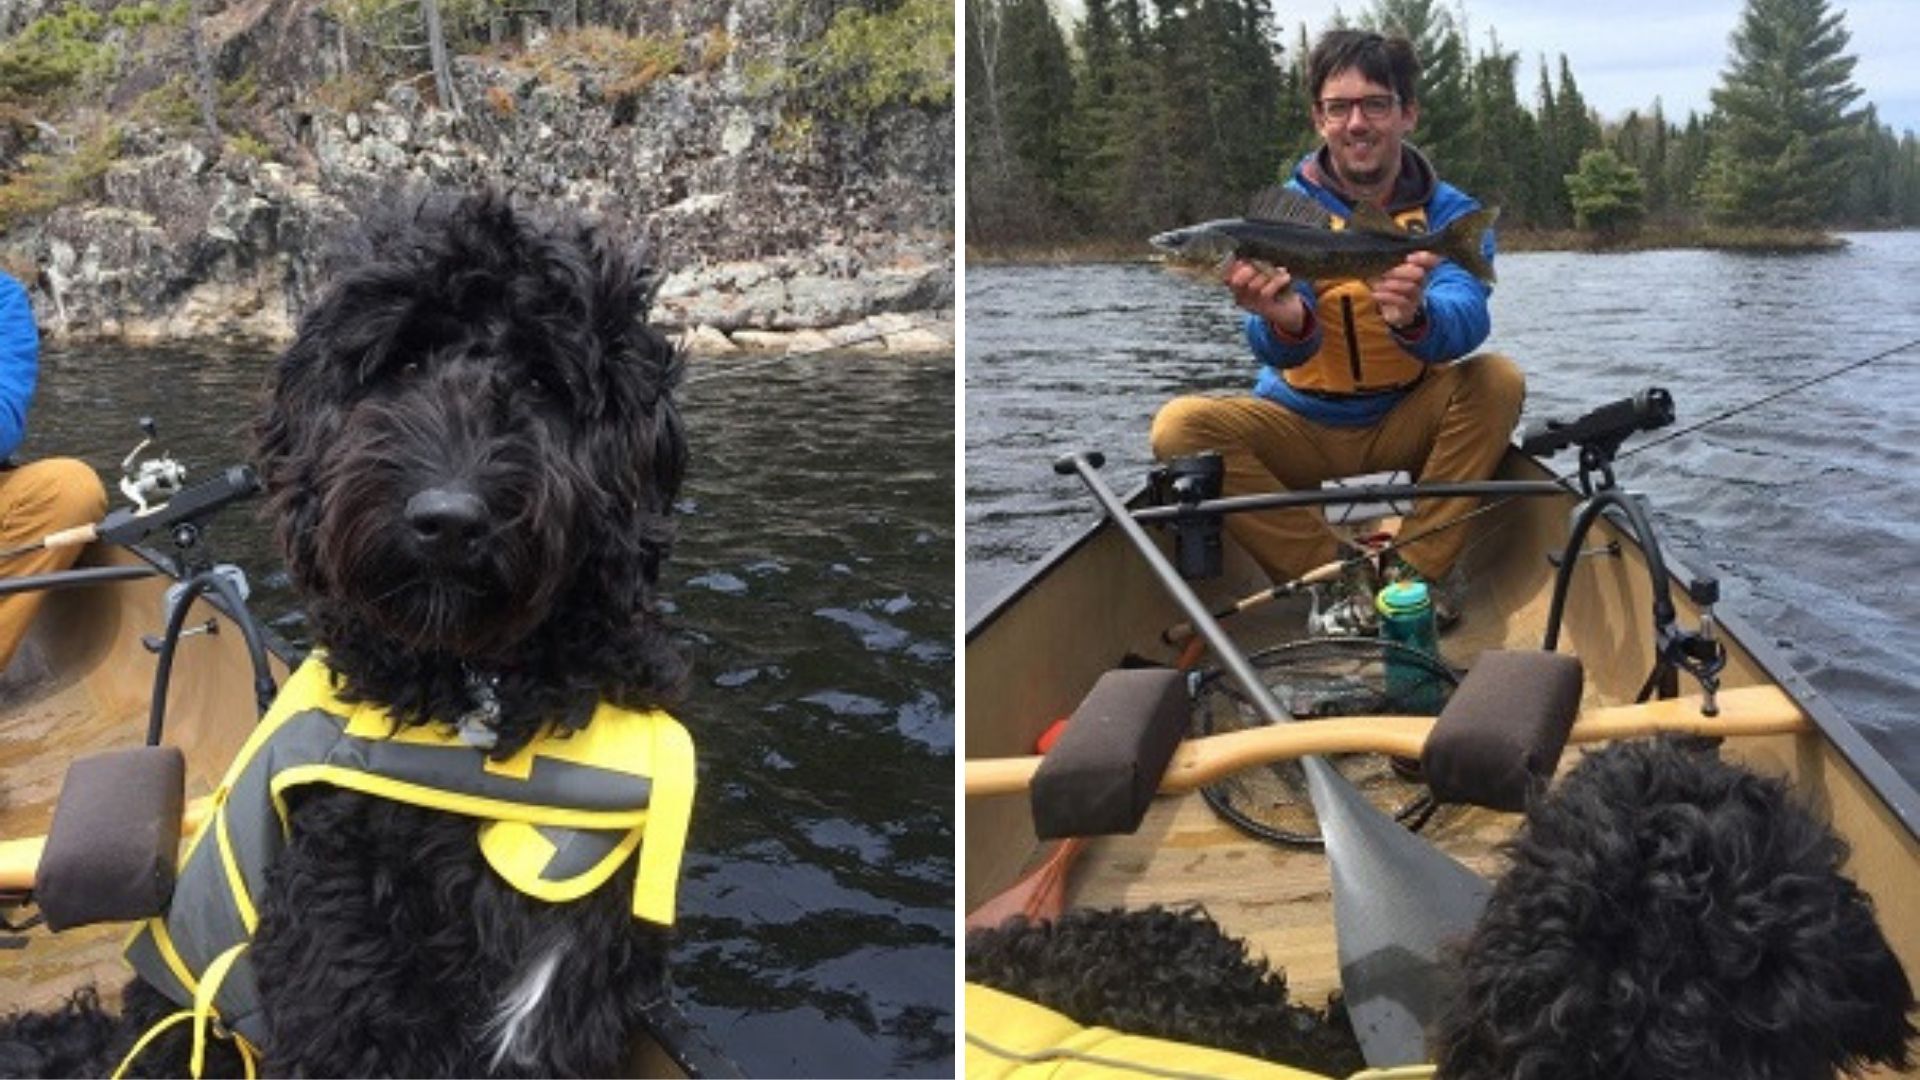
column 1460, row 241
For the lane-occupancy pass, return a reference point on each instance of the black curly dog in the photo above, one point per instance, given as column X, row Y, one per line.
column 1168, row 973
column 471, row 453
column 1667, row 916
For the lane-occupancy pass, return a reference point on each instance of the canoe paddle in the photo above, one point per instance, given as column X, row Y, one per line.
column 1397, row 899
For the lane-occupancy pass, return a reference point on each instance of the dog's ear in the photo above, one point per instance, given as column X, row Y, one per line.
column 299, row 418
column 1866, row 1011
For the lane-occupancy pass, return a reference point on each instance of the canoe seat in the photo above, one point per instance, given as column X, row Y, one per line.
column 1499, row 737
column 1099, row 778
column 115, row 841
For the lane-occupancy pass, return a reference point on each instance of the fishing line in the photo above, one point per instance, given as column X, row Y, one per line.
column 793, row 354
column 1757, row 402
column 1565, row 477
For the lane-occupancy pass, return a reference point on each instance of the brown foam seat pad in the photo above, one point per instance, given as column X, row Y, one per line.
column 1101, row 775
column 1499, row 738
column 115, row 841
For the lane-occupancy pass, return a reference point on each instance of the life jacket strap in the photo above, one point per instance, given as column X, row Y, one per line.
column 153, row 1033
column 204, row 1013
column 203, row 1017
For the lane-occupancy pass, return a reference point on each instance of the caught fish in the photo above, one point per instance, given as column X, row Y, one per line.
column 1285, row 228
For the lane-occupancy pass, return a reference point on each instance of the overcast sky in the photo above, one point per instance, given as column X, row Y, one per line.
column 1626, row 52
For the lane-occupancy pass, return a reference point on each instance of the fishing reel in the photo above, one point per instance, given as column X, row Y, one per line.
column 156, row 478
column 1599, row 433
column 1188, row 482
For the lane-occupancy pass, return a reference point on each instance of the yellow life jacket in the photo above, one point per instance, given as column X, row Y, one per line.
column 1010, row 1038
column 555, row 820
column 1358, row 353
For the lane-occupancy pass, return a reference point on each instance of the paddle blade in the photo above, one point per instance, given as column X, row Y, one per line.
column 1397, row 900
column 1040, row 896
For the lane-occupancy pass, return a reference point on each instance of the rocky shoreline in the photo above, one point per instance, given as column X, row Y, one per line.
column 842, row 241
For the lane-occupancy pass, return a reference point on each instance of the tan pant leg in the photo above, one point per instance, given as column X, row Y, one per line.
column 1265, row 448
column 1454, row 427
column 36, row 499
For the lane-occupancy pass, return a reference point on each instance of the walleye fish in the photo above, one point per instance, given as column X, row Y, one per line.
column 1286, row 228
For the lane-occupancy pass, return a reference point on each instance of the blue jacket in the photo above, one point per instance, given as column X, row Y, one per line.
column 1456, row 301
column 19, row 362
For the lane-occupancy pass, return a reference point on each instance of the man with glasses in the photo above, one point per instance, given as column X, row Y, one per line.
column 1360, row 376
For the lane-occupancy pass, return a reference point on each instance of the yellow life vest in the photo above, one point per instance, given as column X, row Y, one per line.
column 555, row 820
column 1358, row 353
column 1010, row 1038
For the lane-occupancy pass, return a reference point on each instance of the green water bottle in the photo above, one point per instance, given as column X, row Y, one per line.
column 1406, row 617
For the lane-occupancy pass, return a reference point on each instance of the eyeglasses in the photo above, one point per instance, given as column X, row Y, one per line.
column 1373, row 107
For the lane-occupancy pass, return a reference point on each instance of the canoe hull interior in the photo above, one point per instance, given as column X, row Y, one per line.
column 1032, row 656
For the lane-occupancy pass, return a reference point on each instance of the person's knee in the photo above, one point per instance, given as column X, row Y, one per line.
column 64, row 492
column 1182, row 427
column 1499, row 383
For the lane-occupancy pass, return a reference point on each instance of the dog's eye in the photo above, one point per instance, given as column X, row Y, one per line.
column 546, row 390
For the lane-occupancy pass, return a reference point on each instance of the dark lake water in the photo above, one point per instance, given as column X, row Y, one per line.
column 1805, row 508
column 813, row 589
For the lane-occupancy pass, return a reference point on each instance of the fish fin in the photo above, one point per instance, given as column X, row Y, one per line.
column 1284, row 205
column 1369, row 218
column 1460, row 241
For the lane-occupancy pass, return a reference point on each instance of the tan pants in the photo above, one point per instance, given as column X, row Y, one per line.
column 1453, row 426
column 36, row 499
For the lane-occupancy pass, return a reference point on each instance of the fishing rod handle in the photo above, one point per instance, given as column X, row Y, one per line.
column 1180, row 632
column 79, row 534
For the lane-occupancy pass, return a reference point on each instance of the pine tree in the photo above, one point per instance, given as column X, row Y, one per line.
column 1019, row 89
column 1607, row 194
column 1785, row 137
column 1503, row 145
column 1686, row 163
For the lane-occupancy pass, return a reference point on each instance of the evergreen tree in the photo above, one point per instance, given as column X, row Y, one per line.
column 1870, row 197
column 1783, row 150
column 1101, row 107
column 1607, row 194
column 1546, row 194
column 1907, row 181
column 1019, row 88
column 1653, row 165
column 1503, row 145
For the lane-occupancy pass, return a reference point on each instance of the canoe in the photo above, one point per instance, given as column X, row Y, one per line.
column 1035, row 651
column 82, row 682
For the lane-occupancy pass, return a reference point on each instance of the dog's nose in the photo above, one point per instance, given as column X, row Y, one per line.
column 446, row 522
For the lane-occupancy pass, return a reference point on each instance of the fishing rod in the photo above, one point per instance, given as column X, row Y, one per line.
column 1182, row 631
column 1770, row 398
column 795, row 354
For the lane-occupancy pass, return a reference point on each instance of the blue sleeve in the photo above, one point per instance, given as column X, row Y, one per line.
column 1268, row 347
column 1458, row 320
column 19, row 362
